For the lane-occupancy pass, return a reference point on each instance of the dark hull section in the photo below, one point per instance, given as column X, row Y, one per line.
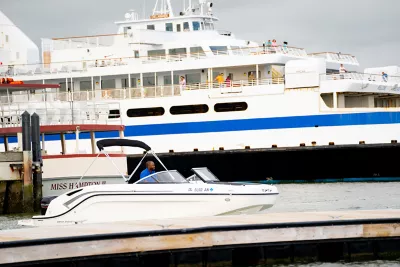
column 378, row 161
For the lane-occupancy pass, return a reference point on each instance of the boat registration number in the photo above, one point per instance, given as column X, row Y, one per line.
column 201, row 189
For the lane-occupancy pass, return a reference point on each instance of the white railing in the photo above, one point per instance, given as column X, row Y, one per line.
column 85, row 65
column 292, row 51
column 83, row 41
column 174, row 58
column 338, row 57
column 125, row 93
column 361, row 77
column 90, row 113
column 233, row 84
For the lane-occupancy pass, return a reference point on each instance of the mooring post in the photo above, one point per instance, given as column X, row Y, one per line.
column 27, row 160
column 37, row 161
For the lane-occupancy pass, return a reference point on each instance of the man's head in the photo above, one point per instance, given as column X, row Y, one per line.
column 150, row 166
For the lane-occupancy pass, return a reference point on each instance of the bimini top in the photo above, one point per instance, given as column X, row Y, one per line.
column 121, row 142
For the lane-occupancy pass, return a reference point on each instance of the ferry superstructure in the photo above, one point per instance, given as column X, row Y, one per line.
column 277, row 95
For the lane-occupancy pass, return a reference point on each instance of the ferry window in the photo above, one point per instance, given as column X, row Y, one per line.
column 226, row 107
column 6, row 38
column 186, row 26
column 209, row 25
column 193, row 78
column 145, row 112
column 236, row 50
column 218, row 50
column 136, row 53
column 202, row 25
column 150, row 27
column 125, row 83
column 126, row 31
column 114, row 114
column 196, row 25
column 178, row 51
column 85, row 85
column 197, row 51
column 167, row 79
column 149, row 81
column 189, row 109
column 106, row 84
column 63, row 87
column 169, row 27
column 156, row 53
column 178, row 27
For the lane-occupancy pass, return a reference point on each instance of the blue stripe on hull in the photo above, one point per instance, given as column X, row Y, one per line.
column 245, row 125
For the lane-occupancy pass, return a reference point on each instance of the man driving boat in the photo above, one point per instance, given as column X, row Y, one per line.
column 150, row 169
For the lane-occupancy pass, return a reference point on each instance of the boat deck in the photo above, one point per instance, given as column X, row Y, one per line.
column 91, row 240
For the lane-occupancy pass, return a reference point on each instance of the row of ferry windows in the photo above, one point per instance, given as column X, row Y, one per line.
column 187, row 109
column 196, row 26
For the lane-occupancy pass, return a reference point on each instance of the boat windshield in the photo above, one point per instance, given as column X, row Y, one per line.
column 164, row 177
column 205, row 174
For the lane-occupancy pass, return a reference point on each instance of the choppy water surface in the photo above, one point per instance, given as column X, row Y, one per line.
column 337, row 196
column 315, row 197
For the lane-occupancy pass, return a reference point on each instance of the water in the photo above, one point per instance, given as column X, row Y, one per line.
column 11, row 221
column 315, row 197
column 352, row 264
column 337, row 196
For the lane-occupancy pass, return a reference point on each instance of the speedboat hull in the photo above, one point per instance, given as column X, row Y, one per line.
column 102, row 206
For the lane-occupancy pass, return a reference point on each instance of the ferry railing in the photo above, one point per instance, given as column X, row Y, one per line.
column 233, row 84
column 78, row 113
column 366, row 77
column 343, row 58
column 54, row 97
column 111, row 61
column 174, row 58
column 293, row 51
column 83, row 41
column 153, row 91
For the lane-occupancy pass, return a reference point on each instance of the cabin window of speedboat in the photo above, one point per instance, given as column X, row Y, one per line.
column 164, row 177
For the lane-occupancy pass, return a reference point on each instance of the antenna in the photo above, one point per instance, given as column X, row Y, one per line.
column 165, row 8
column 144, row 9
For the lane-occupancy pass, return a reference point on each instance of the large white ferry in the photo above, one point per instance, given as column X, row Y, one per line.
column 276, row 95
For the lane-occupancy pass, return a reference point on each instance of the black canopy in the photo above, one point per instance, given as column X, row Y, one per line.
column 121, row 142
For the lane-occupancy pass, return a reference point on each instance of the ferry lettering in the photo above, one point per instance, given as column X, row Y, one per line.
column 206, row 190
column 198, row 190
column 58, row 186
column 71, row 186
column 83, row 184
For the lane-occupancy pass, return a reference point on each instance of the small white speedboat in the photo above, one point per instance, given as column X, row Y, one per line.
column 162, row 195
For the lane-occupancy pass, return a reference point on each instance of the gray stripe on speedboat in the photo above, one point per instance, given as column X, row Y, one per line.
column 115, row 192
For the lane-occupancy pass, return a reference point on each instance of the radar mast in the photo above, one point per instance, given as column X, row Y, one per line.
column 162, row 9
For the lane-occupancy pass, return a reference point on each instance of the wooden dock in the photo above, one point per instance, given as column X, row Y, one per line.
column 94, row 241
